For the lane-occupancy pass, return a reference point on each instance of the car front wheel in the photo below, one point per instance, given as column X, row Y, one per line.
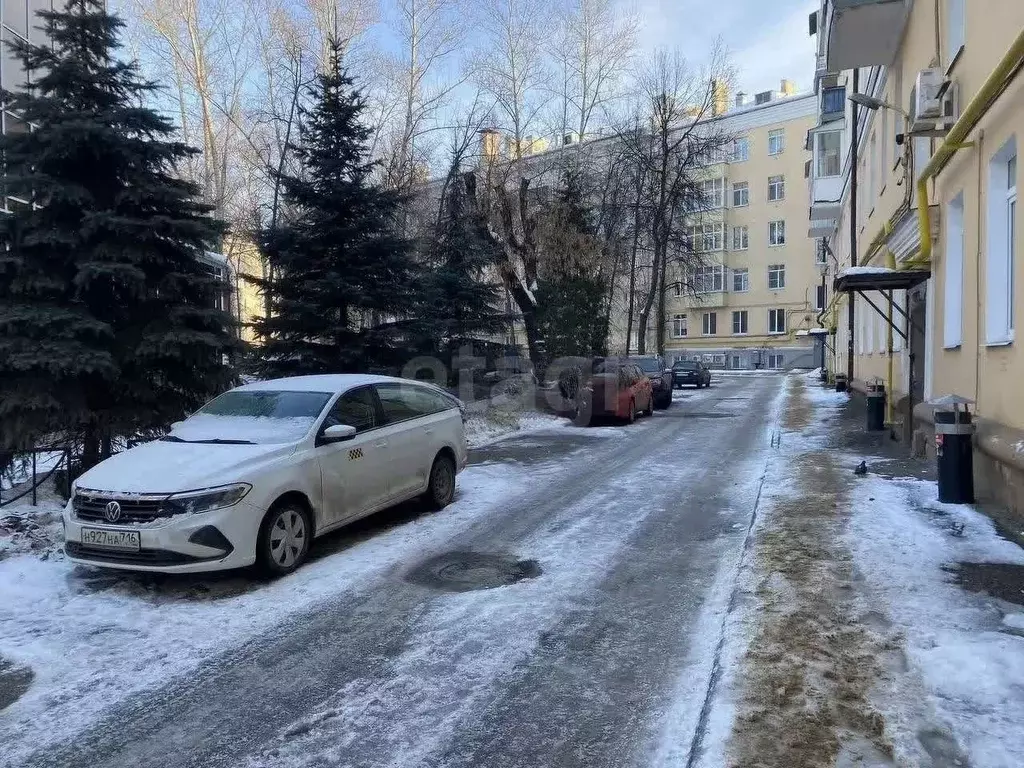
column 441, row 488
column 284, row 539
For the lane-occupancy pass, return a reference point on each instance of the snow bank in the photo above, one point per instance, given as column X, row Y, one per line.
column 963, row 645
column 498, row 424
column 25, row 529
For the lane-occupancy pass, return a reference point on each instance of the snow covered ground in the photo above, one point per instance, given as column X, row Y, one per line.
column 93, row 638
column 849, row 640
column 497, row 424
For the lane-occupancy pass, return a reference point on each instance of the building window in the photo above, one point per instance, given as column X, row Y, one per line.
column 740, row 194
column 956, row 32
column 1002, row 242
column 953, row 288
column 828, row 154
column 739, row 321
column 736, row 362
column 776, row 188
column 776, row 321
column 821, row 254
column 709, row 279
column 776, row 277
column 819, row 297
column 713, row 193
column 776, row 141
column 708, row 237
column 833, row 100
column 776, row 233
column 873, row 174
column 775, row 360
column 740, row 280
column 740, row 150
column 740, row 238
column 709, row 323
column 678, row 326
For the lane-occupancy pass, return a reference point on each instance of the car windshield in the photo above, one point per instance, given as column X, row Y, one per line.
column 649, row 365
column 253, row 416
column 685, row 366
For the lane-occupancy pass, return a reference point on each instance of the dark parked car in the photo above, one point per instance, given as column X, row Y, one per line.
column 613, row 388
column 690, row 372
column 661, row 378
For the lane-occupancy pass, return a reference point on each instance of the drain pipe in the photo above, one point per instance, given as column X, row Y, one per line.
column 997, row 82
column 890, row 410
column 854, row 162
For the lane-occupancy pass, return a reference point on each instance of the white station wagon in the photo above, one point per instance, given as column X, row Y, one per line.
column 258, row 472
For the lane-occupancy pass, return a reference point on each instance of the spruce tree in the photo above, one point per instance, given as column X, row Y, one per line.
column 341, row 273
column 572, row 293
column 460, row 295
column 107, row 318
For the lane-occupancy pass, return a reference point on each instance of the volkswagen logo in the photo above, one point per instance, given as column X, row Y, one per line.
column 113, row 512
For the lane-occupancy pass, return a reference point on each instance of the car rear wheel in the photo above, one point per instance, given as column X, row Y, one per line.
column 284, row 538
column 650, row 407
column 441, row 487
column 631, row 414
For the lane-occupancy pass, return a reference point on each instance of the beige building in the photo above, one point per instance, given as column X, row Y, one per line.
column 940, row 115
column 760, row 288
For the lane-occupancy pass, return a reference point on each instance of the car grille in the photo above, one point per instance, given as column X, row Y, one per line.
column 156, row 557
column 134, row 509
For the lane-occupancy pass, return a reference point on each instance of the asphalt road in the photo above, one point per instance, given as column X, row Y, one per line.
column 616, row 559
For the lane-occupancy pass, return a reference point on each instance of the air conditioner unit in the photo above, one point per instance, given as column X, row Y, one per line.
column 934, row 105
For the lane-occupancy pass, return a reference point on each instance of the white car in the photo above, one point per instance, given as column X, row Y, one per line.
column 258, row 472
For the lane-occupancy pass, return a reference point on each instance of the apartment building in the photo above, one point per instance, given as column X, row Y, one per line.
column 932, row 102
column 760, row 291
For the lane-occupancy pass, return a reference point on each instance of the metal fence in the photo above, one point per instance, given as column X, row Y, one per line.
column 34, row 479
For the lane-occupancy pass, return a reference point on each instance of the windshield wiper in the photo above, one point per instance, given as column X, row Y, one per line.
column 222, row 441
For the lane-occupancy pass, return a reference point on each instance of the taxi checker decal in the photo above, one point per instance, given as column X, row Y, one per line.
column 355, row 453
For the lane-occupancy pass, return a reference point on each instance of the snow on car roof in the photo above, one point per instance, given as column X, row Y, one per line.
column 332, row 382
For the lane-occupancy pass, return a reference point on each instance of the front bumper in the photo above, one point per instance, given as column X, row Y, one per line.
column 212, row 541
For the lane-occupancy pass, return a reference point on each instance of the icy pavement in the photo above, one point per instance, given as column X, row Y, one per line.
column 852, row 639
column 625, row 542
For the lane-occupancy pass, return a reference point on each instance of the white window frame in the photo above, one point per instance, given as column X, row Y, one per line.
column 776, row 322
column 741, row 318
column 736, row 362
column 709, row 279
column 714, row 191
column 776, row 233
column 737, row 155
column 1002, row 237
column 743, row 276
column 740, row 237
column 953, row 274
column 679, row 329
column 776, row 188
column 776, row 141
column 709, row 324
column 776, row 275
column 740, row 194
column 873, row 173
column 776, row 360
column 828, row 162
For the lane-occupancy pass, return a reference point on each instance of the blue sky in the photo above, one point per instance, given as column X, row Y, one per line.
column 768, row 38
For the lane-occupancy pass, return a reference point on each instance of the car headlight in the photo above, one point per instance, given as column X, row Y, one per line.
column 196, row 502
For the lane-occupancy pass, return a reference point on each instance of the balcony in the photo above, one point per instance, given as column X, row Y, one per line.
column 864, row 33
column 833, row 103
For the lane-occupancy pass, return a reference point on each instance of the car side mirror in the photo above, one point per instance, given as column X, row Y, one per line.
column 338, row 433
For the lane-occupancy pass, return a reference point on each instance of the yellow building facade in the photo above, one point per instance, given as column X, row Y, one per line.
column 940, row 115
column 760, row 291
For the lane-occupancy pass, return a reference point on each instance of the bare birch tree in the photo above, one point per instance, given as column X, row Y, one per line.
column 423, row 74
column 673, row 145
column 511, row 65
column 592, row 51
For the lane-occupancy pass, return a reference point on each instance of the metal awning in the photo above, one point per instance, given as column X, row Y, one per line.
column 891, row 280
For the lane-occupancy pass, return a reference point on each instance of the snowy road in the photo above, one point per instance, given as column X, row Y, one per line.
column 381, row 653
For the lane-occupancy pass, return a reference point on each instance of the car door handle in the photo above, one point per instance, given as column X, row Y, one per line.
column 428, row 431
column 382, row 444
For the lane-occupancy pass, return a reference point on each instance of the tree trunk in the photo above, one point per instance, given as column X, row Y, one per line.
column 660, row 324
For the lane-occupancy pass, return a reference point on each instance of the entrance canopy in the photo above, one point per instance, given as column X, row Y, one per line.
column 857, row 279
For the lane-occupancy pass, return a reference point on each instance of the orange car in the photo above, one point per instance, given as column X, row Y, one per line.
column 613, row 388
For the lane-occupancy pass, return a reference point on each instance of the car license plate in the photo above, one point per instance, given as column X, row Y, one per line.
column 123, row 540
